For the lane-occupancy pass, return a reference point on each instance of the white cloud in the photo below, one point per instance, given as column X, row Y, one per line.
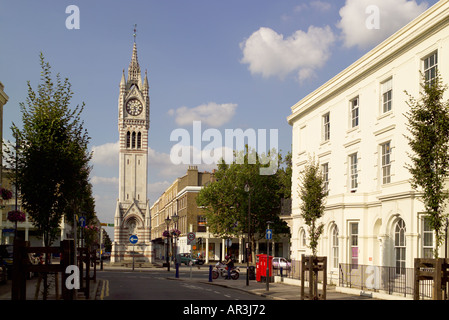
column 106, row 154
column 270, row 54
column 320, row 5
column 392, row 15
column 103, row 180
column 212, row 114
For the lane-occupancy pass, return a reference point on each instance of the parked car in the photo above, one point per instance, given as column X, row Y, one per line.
column 188, row 259
column 6, row 260
column 279, row 262
column 3, row 275
column 6, row 255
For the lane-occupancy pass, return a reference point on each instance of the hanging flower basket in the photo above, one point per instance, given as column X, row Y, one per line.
column 91, row 227
column 165, row 233
column 5, row 193
column 175, row 232
column 16, row 216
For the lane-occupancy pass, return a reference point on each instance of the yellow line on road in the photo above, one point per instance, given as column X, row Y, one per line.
column 104, row 288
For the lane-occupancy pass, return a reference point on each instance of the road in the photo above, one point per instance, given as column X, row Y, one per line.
column 155, row 285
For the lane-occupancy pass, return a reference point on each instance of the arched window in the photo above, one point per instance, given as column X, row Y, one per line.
column 139, row 140
column 399, row 246
column 134, row 140
column 302, row 239
column 128, row 139
column 334, row 247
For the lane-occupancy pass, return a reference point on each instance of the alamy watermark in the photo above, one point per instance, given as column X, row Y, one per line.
column 373, row 280
column 73, row 20
column 190, row 150
column 73, row 280
column 373, row 20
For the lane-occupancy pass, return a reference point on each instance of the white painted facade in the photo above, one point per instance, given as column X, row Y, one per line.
column 372, row 217
column 132, row 216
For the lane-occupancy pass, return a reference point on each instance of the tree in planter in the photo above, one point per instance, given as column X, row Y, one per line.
column 312, row 193
column 51, row 155
column 428, row 124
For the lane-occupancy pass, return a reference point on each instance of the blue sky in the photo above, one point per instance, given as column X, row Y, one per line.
column 231, row 64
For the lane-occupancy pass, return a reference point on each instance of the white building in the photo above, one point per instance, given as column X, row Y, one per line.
column 354, row 125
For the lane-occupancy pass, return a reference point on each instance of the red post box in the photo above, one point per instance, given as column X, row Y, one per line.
column 261, row 267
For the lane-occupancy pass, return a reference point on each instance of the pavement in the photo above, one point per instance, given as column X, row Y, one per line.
column 276, row 290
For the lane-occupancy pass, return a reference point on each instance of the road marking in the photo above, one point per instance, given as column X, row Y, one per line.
column 104, row 288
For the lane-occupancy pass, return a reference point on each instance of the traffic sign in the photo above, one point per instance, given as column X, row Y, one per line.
column 103, row 224
column 269, row 234
column 82, row 221
column 133, row 239
column 191, row 238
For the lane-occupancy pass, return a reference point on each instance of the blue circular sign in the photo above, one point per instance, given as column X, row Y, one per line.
column 133, row 239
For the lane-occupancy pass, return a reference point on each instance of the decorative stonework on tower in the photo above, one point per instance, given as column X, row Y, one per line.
column 132, row 215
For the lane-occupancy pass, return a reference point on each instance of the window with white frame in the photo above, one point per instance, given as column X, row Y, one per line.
column 302, row 239
column 353, row 171
column 386, row 162
column 334, row 246
column 387, row 95
column 354, row 104
column 302, row 139
column 325, row 173
column 326, row 127
column 427, row 244
column 354, row 244
column 430, row 67
column 399, row 246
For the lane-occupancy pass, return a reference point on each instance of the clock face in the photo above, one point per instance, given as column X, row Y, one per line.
column 134, row 107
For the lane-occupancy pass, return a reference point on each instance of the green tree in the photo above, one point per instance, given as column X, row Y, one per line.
column 227, row 203
column 52, row 154
column 312, row 194
column 428, row 124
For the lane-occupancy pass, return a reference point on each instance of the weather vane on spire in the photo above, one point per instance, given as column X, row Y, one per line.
column 135, row 32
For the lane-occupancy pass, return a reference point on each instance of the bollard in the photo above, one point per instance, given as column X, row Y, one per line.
column 177, row 270
column 210, row 273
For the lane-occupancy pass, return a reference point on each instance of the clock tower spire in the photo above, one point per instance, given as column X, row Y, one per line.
column 132, row 215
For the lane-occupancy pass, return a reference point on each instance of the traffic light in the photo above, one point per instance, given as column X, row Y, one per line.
column 200, row 240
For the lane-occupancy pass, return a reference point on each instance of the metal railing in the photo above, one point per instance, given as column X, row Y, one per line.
column 390, row 280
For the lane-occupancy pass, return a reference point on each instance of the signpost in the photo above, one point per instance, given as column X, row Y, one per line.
column 133, row 239
column 82, row 224
column 268, row 236
column 191, row 240
column 82, row 221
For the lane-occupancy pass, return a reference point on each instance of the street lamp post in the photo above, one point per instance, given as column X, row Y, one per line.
column 167, row 222
column 248, row 189
column 175, row 235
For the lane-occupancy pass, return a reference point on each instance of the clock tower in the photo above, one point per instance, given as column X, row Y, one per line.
column 132, row 214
